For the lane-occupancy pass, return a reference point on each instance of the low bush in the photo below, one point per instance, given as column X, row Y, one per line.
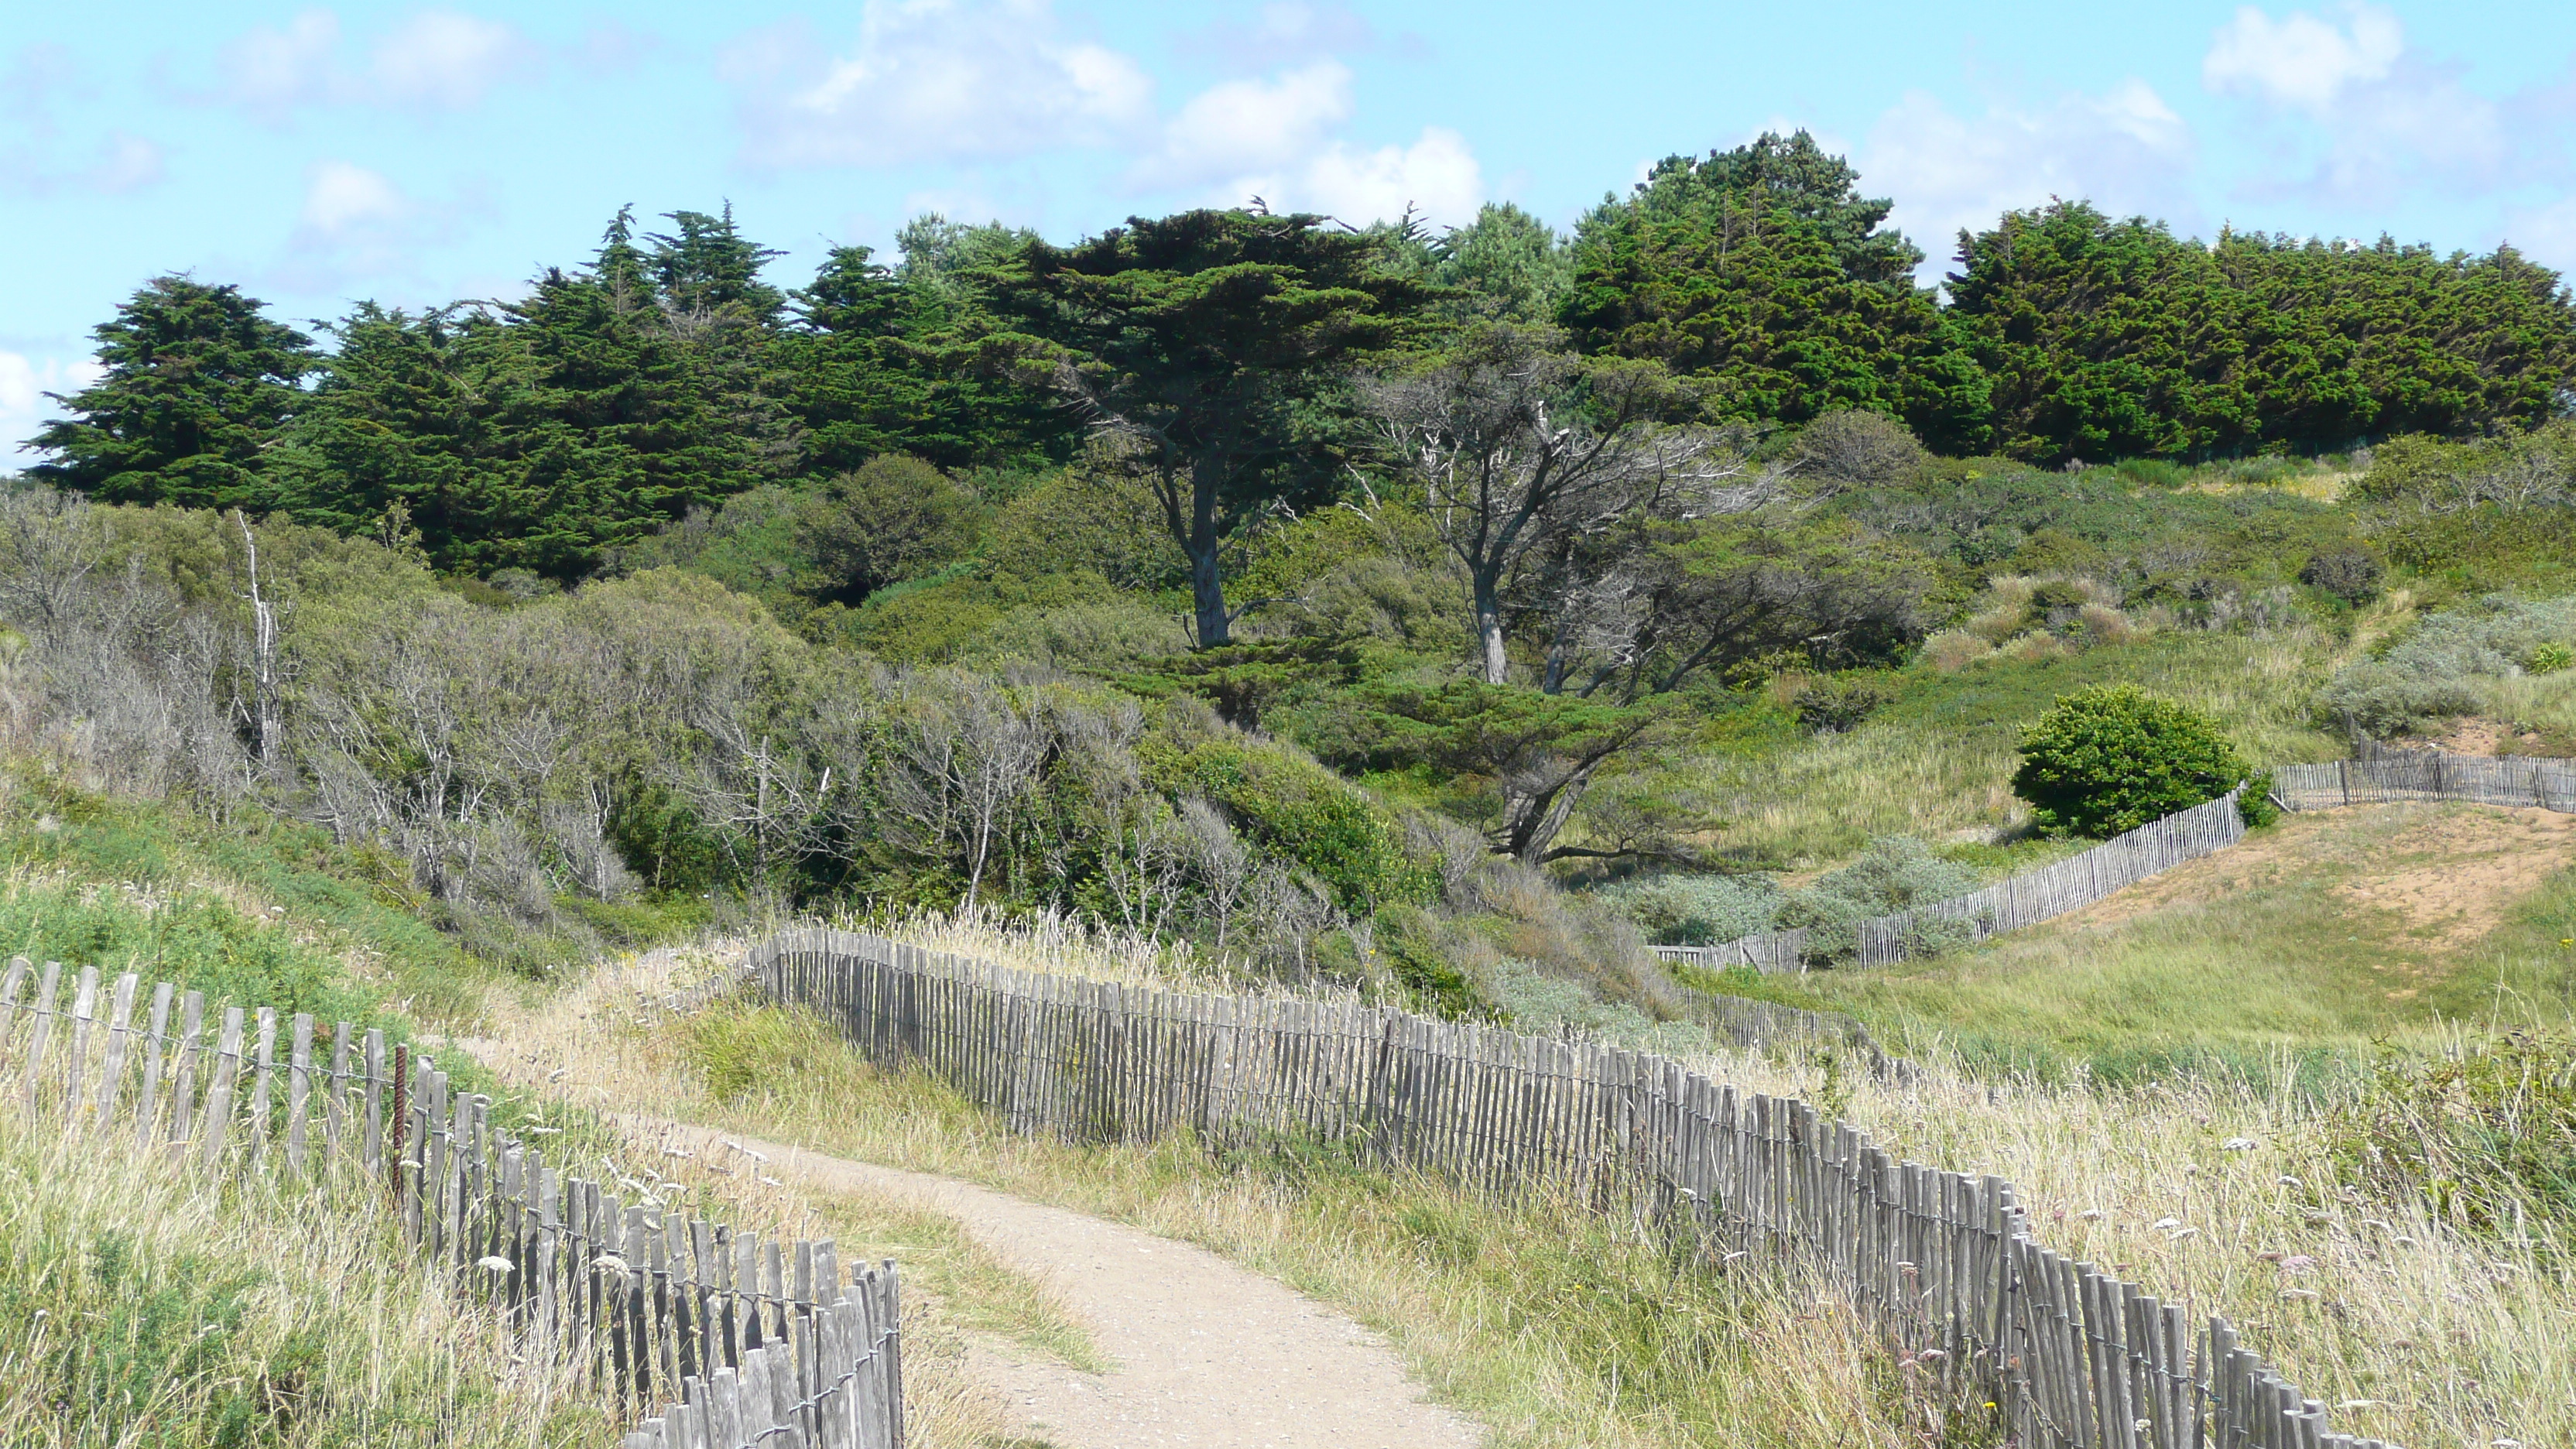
column 2111, row 758
column 2448, row 665
column 1831, row 707
column 2351, row 573
column 1895, row 873
column 1697, row 910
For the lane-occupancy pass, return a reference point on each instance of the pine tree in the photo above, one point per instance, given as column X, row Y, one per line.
column 873, row 374
column 1204, row 340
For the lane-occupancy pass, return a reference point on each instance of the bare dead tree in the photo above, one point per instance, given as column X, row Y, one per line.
column 1519, row 444
column 970, row 755
column 1225, row 869
column 267, row 723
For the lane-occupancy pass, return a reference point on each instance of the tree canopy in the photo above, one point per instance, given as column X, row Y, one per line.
column 2114, row 338
column 1200, row 341
column 1215, row 352
column 1763, row 272
column 195, row 382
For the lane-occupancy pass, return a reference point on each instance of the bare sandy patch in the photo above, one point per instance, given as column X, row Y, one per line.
column 2449, row 872
column 2486, row 859
column 2486, row 738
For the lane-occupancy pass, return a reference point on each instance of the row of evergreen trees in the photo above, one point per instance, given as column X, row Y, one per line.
column 547, row 432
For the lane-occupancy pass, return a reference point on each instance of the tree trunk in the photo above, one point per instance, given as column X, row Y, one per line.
column 1202, row 542
column 1489, row 628
column 1207, row 592
column 1531, row 821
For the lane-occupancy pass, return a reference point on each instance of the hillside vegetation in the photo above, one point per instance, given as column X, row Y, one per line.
column 1246, row 600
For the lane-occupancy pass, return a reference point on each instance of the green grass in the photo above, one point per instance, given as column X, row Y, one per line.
column 1936, row 762
column 2247, row 965
column 189, row 886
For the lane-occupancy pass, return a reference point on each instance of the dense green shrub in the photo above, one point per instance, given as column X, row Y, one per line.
column 1294, row 810
column 2111, row 758
column 896, row 518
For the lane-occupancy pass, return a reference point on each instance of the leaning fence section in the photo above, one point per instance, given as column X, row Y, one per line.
column 1942, row 1262
column 724, row 1340
column 2382, row 776
column 2009, row 904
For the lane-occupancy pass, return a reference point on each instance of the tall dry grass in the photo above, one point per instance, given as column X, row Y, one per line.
column 1550, row 1325
column 143, row 1304
column 2225, row 1197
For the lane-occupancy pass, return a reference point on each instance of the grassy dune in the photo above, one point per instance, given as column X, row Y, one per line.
column 2319, row 937
column 1557, row 1328
column 1937, row 760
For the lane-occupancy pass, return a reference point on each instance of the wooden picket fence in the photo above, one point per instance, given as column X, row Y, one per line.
column 729, row 1342
column 2380, row 776
column 1942, row 1262
column 2022, row 900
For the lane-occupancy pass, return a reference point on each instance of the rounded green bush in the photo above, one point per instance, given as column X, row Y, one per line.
column 2111, row 758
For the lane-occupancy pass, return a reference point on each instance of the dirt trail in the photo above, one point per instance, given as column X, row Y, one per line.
column 1208, row 1354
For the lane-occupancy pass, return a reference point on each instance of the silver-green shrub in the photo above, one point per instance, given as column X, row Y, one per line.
column 2432, row 673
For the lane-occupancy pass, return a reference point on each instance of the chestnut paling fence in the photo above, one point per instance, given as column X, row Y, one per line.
column 2383, row 775
column 2377, row 777
column 713, row 1338
column 1941, row 1262
column 2022, row 900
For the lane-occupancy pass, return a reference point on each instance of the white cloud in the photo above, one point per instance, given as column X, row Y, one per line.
column 1437, row 176
column 934, row 80
column 1241, row 127
column 126, row 163
column 270, row 71
column 1289, row 31
column 2125, row 150
column 357, row 226
column 2305, row 59
column 1274, row 139
column 122, row 162
column 2365, row 118
column 342, row 198
column 446, row 59
column 434, row 59
column 1001, row 80
column 24, row 381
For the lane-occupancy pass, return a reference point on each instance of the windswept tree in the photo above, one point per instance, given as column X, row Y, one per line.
column 1519, row 444
column 1203, row 339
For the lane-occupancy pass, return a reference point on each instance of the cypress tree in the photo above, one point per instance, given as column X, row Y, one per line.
column 197, row 383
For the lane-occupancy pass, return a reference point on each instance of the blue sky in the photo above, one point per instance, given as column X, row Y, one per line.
column 320, row 155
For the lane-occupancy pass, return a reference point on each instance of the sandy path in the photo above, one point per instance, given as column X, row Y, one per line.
column 1208, row 1354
